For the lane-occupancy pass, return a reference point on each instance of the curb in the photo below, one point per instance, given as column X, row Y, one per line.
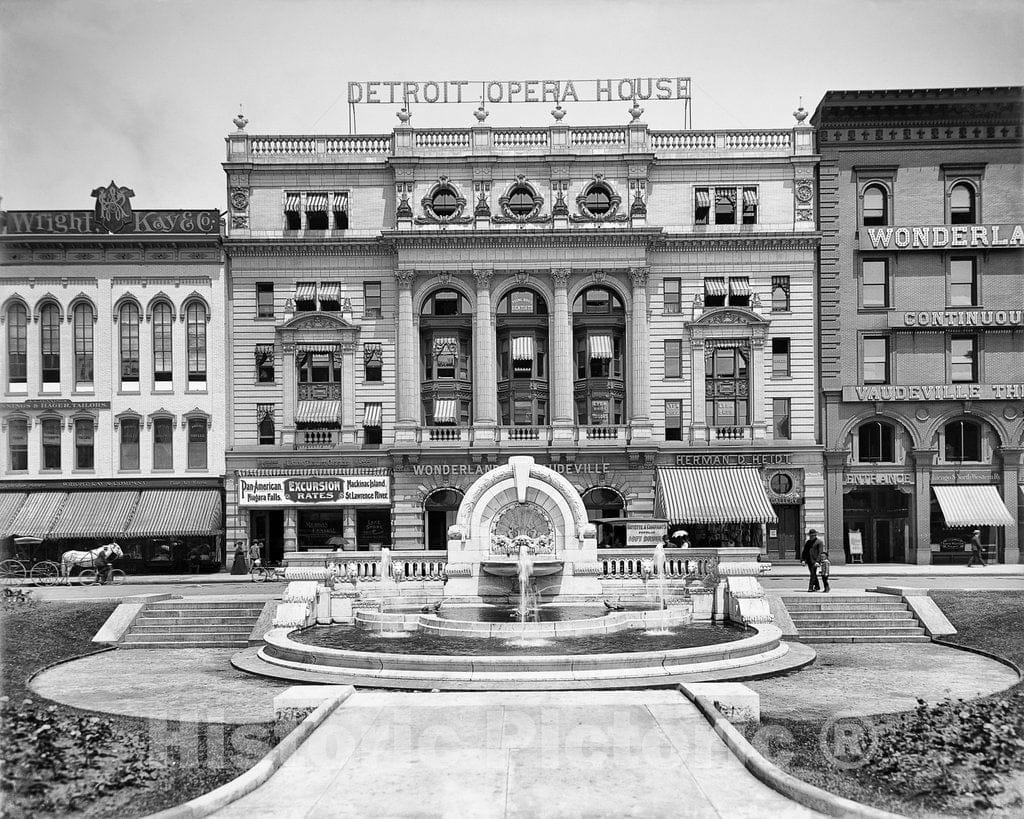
column 777, row 779
column 258, row 774
column 980, row 651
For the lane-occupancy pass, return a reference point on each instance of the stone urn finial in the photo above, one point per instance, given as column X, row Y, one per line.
column 404, row 116
column 800, row 114
column 636, row 110
column 558, row 112
column 240, row 120
column 481, row 113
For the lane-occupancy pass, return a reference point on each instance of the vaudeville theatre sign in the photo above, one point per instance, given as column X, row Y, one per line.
column 113, row 213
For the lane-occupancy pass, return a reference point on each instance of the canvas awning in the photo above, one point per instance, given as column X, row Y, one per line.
column 371, row 415
column 600, row 347
column 305, row 291
column 340, row 202
column 972, row 506
column 330, row 291
column 715, row 287
column 703, row 199
column 37, row 513
column 446, row 412
column 317, row 348
column 292, row 202
column 318, row 412
column 720, row 495
column 10, row 503
column 94, row 514
column 445, row 344
column 739, row 286
column 316, row 202
column 522, row 348
column 176, row 512
column 749, row 196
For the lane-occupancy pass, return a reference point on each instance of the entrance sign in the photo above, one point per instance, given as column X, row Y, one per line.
column 333, row 490
column 495, row 91
column 856, row 542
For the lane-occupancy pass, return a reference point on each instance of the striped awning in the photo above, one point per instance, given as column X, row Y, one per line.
column 10, row 503
column 703, row 199
column 972, row 506
column 445, row 344
column 330, row 291
column 722, row 495
column 316, row 202
column 600, row 347
column 522, row 348
column 305, row 291
column 177, row 512
column 715, row 287
column 371, row 415
column 750, row 196
column 94, row 514
column 318, row 412
column 739, row 286
column 446, row 412
column 293, row 202
column 340, row 202
column 36, row 515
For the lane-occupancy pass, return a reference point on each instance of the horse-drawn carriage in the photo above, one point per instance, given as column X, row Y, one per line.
column 30, row 562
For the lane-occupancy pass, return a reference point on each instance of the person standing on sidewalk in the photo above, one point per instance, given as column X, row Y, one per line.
column 976, row 550
column 824, row 564
column 809, row 556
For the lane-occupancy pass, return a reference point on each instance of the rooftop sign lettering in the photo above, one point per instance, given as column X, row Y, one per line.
column 940, row 237
column 962, row 318
column 494, row 91
column 935, row 392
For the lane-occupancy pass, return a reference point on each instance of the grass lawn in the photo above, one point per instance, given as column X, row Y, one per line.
column 953, row 758
column 59, row 760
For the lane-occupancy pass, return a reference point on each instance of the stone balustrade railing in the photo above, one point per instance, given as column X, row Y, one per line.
column 405, row 564
column 629, row 564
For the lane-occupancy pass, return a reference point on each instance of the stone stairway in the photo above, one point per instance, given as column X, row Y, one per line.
column 853, row 618
column 194, row 623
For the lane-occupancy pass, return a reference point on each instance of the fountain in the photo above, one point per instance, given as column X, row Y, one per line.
column 659, row 569
column 525, row 565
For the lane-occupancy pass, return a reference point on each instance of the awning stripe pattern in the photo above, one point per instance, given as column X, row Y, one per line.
column 317, row 348
column 10, row 503
column 723, row 495
column 94, row 514
column 739, row 286
column 371, row 415
column 37, row 513
column 316, row 202
column 305, row 291
column 330, row 291
column 180, row 512
column 750, row 196
column 600, row 347
column 446, row 412
column 703, row 199
column 445, row 344
column 292, row 202
column 340, row 202
column 318, row 412
column 972, row 506
column 522, row 348
column 715, row 287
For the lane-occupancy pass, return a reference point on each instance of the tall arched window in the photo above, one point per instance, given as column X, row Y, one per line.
column 522, row 336
column 599, row 343
column 163, row 355
column 85, row 433
column 128, row 331
column 50, row 347
column 163, row 443
column 876, row 442
column 963, row 441
column 50, row 440
column 876, row 206
column 962, row 207
column 446, row 343
column 17, row 348
column 195, row 320
column 83, row 321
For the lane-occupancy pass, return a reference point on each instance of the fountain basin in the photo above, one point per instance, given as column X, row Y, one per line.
column 541, row 567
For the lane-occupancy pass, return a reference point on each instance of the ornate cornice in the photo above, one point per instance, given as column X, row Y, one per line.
column 524, row 238
column 369, row 247
column 676, row 243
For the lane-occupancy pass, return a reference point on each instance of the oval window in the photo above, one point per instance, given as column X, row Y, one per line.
column 781, row 483
column 444, row 203
column 520, row 201
column 598, row 200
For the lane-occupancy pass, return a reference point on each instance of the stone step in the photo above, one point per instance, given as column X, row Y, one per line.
column 186, row 605
column 842, row 614
column 828, row 605
column 846, row 599
column 216, row 643
column 860, row 638
column 205, row 628
column 198, row 617
column 831, row 625
column 860, row 631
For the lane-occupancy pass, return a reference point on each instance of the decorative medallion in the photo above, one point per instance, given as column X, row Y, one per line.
column 521, row 203
column 598, row 203
column 239, row 198
column 443, row 205
column 113, row 210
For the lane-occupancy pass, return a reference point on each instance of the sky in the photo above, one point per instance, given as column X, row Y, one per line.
column 144, row 91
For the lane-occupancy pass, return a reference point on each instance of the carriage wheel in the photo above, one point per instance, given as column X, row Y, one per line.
column 117, row 576
column 12, row 572
column 46, row 573
column 87, row 577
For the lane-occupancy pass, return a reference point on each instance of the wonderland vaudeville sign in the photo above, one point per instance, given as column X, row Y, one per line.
column 495, row 91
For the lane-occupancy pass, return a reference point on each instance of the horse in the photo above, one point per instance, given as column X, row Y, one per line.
column 89, row 559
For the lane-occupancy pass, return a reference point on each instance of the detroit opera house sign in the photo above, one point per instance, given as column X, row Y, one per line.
column 939, row 237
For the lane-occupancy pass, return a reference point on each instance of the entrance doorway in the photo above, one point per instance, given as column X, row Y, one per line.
column 784, row 540
column 882, row 517
column 602, row 502
column 268, row 525
column 440, row 510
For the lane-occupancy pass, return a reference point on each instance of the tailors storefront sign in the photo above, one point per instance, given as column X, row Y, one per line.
column 494, row 91
column 333, row 490
column 940, row 237
column 935, row 392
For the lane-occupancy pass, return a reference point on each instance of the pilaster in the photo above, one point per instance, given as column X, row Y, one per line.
column 921, row 547
column 1011, row 472
column 562, row 357
column 408, row 375
column 835, row 462
column 290, row 389
column 640, row 360
column 485, row 383
column 348, row 392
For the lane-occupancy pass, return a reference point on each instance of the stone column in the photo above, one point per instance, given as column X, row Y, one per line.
column 835, row 463
column 1011, row 480
column 562, row 358
column 757, row 413
column 640, row 358
column 921, row 548
column 698, row 407
column 408, row 356
column 290, row 390
column 291, row 533
column 348, row 392
column 485, row 382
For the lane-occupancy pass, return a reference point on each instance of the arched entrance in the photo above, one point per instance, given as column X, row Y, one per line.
column 882, row 516
column 604, row 502
column 439, row 511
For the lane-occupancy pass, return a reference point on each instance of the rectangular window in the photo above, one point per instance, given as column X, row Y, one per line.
column 293, row 211
column 341, row 211
column 197, row 429
column 750, row 206
column 876, row 360
column 716, row 291
column 17, row 444
column 963, row 359
column 51, row 443
column 673, row 296
column 305, row 297
column 780, row 357
column 702, row 206
column 266, row 431
column 265, row 363
column 316, row 211
column 963, row 283
column 673, row 420
column 373, row 361
column 780, row 418
column 129, row 443
column 330, row 297
column 673, row 359
column 371, row 300
column 163, row 443
column 264, row 299
column 725, row 206
column 874, row 286
column 84, row 444
column 739, row 291
column 780, row 294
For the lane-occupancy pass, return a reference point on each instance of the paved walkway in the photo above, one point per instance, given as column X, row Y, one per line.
column 623, row 753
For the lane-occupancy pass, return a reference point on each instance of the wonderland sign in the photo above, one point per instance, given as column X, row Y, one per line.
column 941, row 237
column 494, row 91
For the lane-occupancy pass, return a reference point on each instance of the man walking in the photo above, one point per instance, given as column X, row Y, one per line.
column 809, row 556
column 976, row 553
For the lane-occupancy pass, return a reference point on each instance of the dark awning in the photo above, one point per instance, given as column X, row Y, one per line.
column 724, row 495
column 176, row 512
column 94, row 514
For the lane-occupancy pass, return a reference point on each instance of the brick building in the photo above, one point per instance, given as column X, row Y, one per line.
column 922, row 335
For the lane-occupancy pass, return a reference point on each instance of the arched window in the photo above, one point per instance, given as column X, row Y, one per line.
column 83, row 322
column 17, row 445
column 50, row 438
column 440, row 510
column 128, row 331
column 876, row 206
column 50, row 345
column 197, row 430
column 599, row 342
column 129, row 430
column 85, row 434
column 195, row 322
column 445, row 303
column 522, row 337
column 265, row 426
column 876, row 442
column 163, row 443
column 163, row 355
column 963, row 441
column 962, row 209
column 17, row 347
column 522, row 302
